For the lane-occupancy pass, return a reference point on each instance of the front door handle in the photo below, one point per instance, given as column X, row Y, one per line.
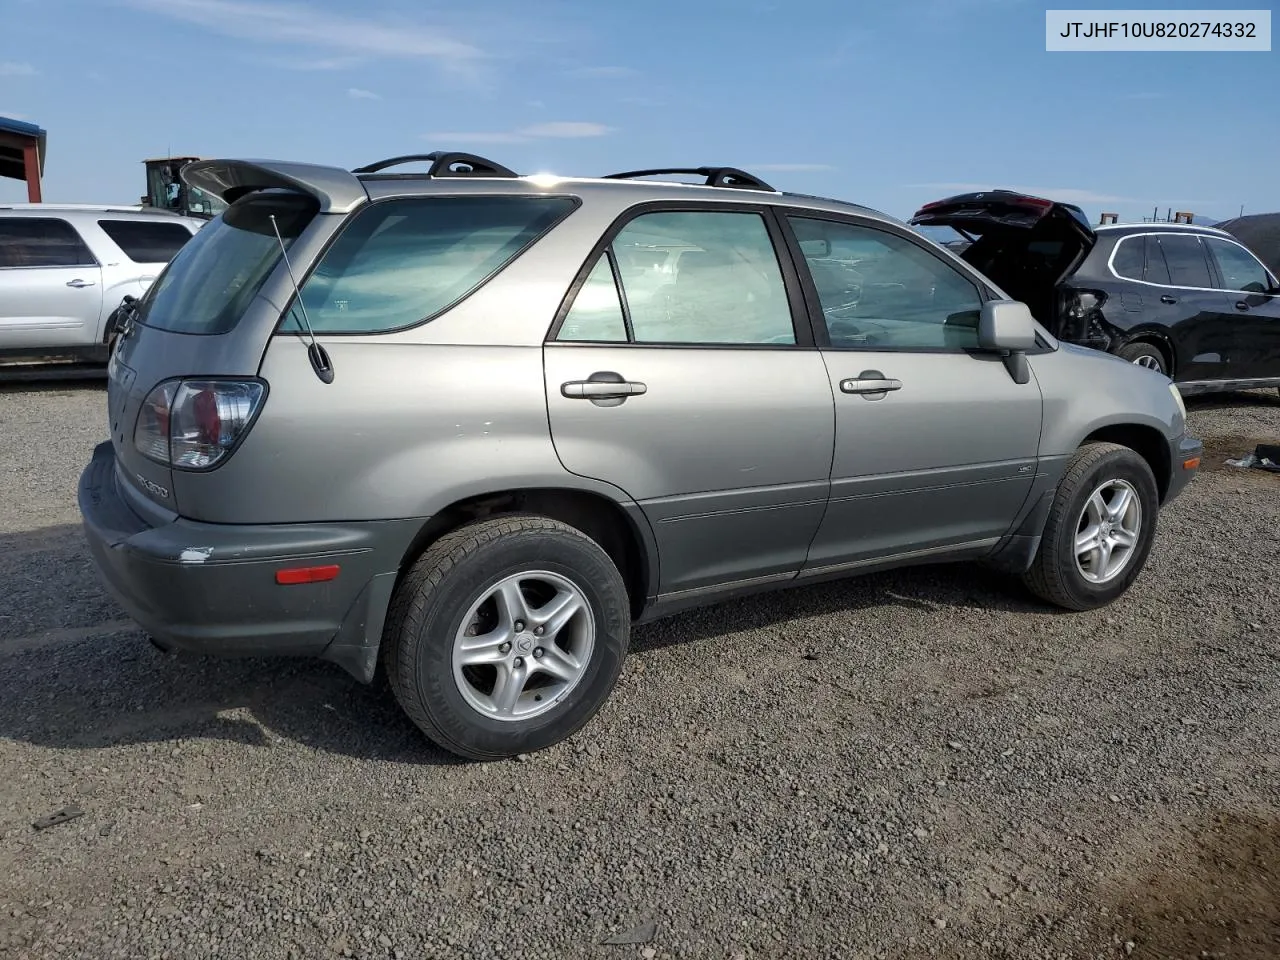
column 1242, row 304
column 1168, row 299
column 79, row 283
column 871, row 384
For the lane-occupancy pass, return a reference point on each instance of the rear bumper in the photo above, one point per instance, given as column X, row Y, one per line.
column 1184, row 460
column 211, row 588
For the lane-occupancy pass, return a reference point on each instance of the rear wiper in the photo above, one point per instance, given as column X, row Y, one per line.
column 317, row 354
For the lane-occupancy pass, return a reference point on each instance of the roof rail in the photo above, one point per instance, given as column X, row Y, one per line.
column 446, row 164
column 716, row 177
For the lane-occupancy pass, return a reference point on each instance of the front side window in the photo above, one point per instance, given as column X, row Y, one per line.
column 401, row 262
column 144, row 242
column 687, row 277
column 1239, row 268
column 880, row 291
column 41, row 242
column 1184, row 256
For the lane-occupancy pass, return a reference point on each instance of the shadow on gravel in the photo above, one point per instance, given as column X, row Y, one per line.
column 952, row 585
column 76, row 673
column 1208, row 402
column 22, row 378
column 1214, row 894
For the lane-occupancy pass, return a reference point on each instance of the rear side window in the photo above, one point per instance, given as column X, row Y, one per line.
column 1186, row 260
column 144, row 242
column 41, row 242
column 687, row 277
column 399, row 263
column 211, row 281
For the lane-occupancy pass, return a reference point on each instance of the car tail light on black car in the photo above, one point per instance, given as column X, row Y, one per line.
column 1080, row 314
column 195, row 424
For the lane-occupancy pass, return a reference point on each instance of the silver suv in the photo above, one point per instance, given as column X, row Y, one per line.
column 65, row 268
column 473, row 426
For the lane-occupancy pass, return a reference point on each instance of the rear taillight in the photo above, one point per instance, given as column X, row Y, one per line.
column 194, row 424
column 1079, row 312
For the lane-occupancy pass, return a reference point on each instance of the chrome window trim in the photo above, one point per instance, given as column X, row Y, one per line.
column 1199, row 235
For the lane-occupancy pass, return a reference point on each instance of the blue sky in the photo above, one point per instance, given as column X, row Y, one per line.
column 890, row 104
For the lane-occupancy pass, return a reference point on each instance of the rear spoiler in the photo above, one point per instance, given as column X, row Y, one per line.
column 337, row 190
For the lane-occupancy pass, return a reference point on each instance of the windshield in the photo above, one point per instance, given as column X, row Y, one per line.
column 209, row 284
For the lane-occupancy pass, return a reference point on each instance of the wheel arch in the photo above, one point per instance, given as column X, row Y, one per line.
column 622, row 531
column 1146, row 441
column 1157, row 338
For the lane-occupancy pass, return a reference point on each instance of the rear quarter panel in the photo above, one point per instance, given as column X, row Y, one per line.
column 403, row 431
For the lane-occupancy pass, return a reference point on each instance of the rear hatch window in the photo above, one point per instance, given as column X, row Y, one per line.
column 210, row 282
column 399, row 263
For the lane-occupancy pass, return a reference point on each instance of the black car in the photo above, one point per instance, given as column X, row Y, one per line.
column 1189, row 301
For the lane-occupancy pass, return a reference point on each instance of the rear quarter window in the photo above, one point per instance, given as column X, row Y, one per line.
column 399, row 263
column 144, row 242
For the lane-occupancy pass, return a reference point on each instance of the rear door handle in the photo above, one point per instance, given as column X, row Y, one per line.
column 1242, row 305
column 1168, row 299
column 604, row 388
column 79, row 283
column 601, row 389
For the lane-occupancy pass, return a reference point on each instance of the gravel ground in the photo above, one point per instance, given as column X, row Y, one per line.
column 915, row 764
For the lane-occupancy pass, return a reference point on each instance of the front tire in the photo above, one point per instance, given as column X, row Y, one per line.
column 1100, row 529
column 507, row 636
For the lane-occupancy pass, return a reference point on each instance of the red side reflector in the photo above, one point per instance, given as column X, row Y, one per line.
column 306, row 574
column 1191, row 463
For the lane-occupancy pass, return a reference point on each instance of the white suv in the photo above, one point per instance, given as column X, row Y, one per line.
column 64, row 269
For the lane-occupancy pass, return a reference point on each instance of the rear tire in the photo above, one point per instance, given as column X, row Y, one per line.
column 1108, row 491
column 507, row 636
column 1145, row 355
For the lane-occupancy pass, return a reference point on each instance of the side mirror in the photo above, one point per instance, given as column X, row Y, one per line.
column 1006, row 326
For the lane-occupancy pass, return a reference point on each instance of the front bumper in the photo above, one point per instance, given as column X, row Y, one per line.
column 211, row 588
column 1184, row 460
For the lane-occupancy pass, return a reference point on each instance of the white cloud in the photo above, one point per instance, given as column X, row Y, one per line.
column 356, row 93
column 1061, row 194
column 538, row 104
column 789, row 167
column 317, row 63
column 11, row 69
column 302, row 25
column 556, row 130
column 568, row 129
column 461, row 139
column 1076, row 195
column 603, row 73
